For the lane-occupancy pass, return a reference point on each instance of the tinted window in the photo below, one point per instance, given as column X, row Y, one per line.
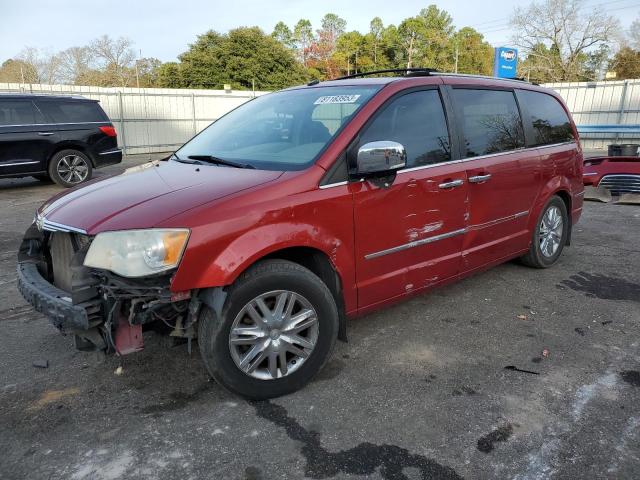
column 490, row 121
column 417, row 121
column 546, row 116
column 17, row 112
column 72, row 112
column 281, row 131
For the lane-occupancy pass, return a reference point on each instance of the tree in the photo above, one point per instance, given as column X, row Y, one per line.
column 626, row 63
column 634, row 34
column 170, row 76
column 75, row 62
column 425, row 39
column 242, row 58
column 116, row 57
column 18, row 71
column 566, row 31
column 376, row 29
column 282, row 33
column 303, row 38
column 471, row 53
column 45, row 63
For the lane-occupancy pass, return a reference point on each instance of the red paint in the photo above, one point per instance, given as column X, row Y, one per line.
column 238, row 216
column 128, row 338
column 597, row 167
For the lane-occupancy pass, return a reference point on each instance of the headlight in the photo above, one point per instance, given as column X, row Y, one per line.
column 136, row 253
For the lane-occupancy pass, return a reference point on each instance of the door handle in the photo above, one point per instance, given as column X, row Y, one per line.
column 45, row 134
column 479, row 178
column 451, row 184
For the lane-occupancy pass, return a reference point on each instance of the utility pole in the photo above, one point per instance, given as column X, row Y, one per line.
column 137, row 74
column 457, row 53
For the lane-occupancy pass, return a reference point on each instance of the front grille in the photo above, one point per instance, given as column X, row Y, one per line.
column 619, row 184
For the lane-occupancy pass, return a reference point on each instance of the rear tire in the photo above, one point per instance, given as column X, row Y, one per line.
column 549, row 235
column 69, row 168
column 287, row 353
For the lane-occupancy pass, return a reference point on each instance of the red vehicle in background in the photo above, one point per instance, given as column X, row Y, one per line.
column 616, row 175
column 300, row 209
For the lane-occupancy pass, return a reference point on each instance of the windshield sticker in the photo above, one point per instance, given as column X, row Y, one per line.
column 336, row 99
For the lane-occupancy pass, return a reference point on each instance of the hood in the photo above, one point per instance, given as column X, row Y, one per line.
column 143, row 196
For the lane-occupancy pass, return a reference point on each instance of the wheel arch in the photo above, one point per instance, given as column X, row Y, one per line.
column 320, row 264
column 71, row 145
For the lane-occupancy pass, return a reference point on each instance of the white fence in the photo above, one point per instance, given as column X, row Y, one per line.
column 161, row 119
column 603, row 106
column 150, row 119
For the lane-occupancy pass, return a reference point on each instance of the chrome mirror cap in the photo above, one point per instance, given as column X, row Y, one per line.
column 380, row 157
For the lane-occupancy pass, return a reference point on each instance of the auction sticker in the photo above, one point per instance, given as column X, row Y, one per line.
column 336, row 99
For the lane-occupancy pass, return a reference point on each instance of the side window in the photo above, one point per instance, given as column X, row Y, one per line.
column 490, row 121
column 417, row 121
column 17, row 112
column 546, row 117
column 71, row 112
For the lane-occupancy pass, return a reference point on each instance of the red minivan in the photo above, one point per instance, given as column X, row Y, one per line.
column 300, row 209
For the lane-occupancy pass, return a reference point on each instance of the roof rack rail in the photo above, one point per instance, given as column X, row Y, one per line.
column 473, row 75
column 407, row 72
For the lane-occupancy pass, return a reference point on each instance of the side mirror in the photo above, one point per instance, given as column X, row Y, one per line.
column 380, row 158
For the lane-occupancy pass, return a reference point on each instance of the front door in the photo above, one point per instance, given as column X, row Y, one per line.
column 409, row 235
column 504, row 177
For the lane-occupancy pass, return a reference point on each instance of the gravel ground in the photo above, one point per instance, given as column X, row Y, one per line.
column 512, row 373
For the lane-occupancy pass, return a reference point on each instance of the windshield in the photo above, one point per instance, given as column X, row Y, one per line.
column 281, row 131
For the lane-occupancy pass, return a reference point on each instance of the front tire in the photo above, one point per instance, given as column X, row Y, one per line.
column 69, row 168
column 278, row 326
column 549, row 235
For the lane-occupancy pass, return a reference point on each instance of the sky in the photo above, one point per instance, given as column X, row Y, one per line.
column 164, row 28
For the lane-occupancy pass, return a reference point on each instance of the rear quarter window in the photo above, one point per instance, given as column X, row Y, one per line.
column 72, row 112
column 18, row 112
column 545, row 118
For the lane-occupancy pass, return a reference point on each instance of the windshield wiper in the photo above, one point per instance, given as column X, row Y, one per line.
column 219, row 161
column 184, row 160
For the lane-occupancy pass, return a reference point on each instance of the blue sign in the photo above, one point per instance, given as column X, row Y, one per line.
column 505, row 62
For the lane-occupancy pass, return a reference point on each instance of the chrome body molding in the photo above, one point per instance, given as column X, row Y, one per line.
column 579, row 194
column 415, row 243
column 480, row 157
column 444, row 236
column 29, row 162
column 111, row 152
column 331, row 185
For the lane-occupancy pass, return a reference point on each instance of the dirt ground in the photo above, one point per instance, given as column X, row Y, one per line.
column 513, row 373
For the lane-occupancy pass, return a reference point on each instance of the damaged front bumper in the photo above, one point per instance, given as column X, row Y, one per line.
column 103, row 310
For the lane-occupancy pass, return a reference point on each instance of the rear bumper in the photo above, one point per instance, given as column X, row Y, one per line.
column 50, row 300
column 108, row 157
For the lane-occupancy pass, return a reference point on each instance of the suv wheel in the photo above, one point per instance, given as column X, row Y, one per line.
column 549, row 236
column 278, row 327
column 70, row 168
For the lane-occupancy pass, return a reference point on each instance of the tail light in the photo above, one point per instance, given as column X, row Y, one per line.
column 108, row 130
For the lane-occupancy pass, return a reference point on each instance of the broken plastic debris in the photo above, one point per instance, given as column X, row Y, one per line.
column 545, row 353
column 522, row 317
column 118, row 371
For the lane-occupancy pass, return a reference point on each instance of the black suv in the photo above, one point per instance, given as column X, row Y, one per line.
column 61, row 138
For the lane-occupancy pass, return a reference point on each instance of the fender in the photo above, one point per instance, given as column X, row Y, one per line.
column 555, row 185
column 224, row 267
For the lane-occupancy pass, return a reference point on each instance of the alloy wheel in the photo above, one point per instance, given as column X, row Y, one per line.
column 550, row 233
column 273, row 335
column 73, row 169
